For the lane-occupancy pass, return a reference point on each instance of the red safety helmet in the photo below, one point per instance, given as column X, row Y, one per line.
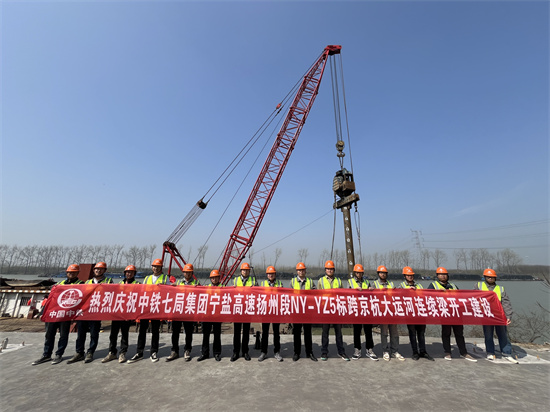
column 100, row 265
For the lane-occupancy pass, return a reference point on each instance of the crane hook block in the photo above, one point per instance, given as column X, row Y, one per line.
column 201, row 204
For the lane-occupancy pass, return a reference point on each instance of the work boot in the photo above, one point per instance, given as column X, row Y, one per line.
column 111, row 356
column 356, row 354
column 187, row 355
column 89, row 357
column 43, row 359
column 57, row 359
column 262, row 357
column 278, row 357
column 173, row 356
column 122, row 358
column 76, row 358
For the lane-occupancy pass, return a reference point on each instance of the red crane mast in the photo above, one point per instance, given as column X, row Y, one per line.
column 256, row 206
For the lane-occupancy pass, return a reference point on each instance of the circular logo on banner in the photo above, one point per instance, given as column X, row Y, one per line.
column 69, row 298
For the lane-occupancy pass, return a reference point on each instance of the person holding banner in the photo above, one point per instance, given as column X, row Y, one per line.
column 121, row 325
column 329, row 281
column 360, row 283
column 271, row 282
column 490, row 283
column 391, row 349
column 417, row 333
column 442, row 283
column 157, row 278
column 301, row 282
column 188, row 280
column 64, row 327
column 93, row 326
column 245, row 280
column 208, row 327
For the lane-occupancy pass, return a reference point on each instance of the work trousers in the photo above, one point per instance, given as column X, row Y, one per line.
column 176, row 330
column 502, row 335
column 308, row 341
column 155, row 334
column 393, row 345
column 417, row 337
column 357, row 328
column 124, row 327
column 83, row 326
column 237, row 343
column 49, row 341
column 459, row 337
column 339, row 340
column 276, row 337
column 216, row 329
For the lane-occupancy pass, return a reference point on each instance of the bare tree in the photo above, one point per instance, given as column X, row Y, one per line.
column 117, row 250
column 201, row 254
column 278, row 253
column 425, row 256
column 439, row 257
column 303, row 254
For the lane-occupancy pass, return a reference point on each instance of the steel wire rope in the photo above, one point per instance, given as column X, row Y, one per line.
column 346, row 113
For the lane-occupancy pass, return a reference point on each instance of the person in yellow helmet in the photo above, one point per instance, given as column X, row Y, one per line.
column 212, row 327
column 329, row 281
column 442, row 283
column 271, row 282
column 417, row 333
column 490, row 283
column 245, row 280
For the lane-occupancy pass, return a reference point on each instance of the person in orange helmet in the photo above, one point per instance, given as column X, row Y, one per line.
column 490, row 283
column 64, row 327
column 271, row 282
column 214, row 327
column 244, row 280
column 121, row 325
column 329, row 281
column 417, row 333
column 188, row 280
column 302, row 282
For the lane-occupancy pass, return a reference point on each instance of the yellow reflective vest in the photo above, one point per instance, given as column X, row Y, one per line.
column 498, row 289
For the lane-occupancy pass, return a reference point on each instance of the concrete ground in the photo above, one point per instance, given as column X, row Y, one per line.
column 457, row 385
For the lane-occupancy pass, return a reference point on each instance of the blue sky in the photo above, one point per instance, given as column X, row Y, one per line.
column 118, row 116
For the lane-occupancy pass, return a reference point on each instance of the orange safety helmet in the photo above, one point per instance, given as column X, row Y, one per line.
column 441, row 271
column 490, row 273
column 130, row 268
column 407, row 270
column 157, row 262
column 270, row 269
column 215, row 273
column 329, row 264
column 301, row 266
column 188, row 268
column 358, row 268
column 245, row 266
column 382, row 269
column 100, row 265
column 73, row 268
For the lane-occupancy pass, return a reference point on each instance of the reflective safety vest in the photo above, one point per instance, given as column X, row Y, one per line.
column 105, row 280
column 123, row 282
column 439, row 286
column 354, row 285
column 250, row 281
column 325, row 283
column 278, row 283
column 194, row 282
column 219, row 285
column 161, row 280
column 296, row 284
column 65, row 282
column 405, row 285
column 498, row 289
column 380, row 285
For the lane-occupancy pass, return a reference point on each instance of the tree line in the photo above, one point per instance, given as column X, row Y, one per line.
column 54, row 259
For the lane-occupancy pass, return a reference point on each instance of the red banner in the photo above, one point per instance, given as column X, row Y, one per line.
column 273, row 305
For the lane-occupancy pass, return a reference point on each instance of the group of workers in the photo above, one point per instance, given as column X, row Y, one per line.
column 241, row 331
